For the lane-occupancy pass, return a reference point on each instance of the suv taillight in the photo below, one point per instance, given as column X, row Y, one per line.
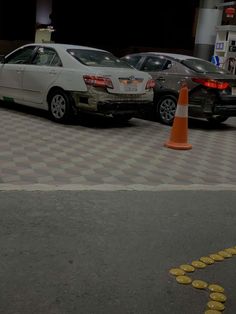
column 211, row 83
column 98, row 81
column 150, row 84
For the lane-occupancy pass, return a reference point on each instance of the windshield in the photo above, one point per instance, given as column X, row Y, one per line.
column 202, row 66
column 97, row 58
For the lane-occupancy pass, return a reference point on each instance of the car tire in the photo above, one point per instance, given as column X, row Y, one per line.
column 122, row 118
column 165, row 109
column 217, row 119
column 60, row 106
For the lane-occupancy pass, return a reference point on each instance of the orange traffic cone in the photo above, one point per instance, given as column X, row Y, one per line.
column 179, row 131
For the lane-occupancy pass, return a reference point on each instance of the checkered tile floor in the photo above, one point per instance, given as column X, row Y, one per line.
column 94, row 150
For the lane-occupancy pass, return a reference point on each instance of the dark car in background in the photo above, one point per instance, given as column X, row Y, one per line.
column 212, row 90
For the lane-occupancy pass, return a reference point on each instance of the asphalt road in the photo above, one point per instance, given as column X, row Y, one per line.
column 91, row 252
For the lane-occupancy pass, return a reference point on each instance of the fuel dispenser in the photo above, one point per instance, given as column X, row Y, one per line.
column 225, row 47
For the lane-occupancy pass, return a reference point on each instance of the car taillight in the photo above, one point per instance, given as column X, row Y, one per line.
column 98, row 81
column 211, row 83
column 150, row 84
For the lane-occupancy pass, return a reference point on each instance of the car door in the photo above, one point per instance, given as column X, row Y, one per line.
column 155, row 65
column 167, row 72
column 38, row 76
column 11, row 74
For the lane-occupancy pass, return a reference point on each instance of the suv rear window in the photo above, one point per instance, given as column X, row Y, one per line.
column 97, row 58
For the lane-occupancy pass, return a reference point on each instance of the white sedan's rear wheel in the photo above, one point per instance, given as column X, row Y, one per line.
column 60, row 107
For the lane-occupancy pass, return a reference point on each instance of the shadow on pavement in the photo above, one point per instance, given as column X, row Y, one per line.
column 202, row 124
column 82, row 119
column 91, row 120
column 24, row 109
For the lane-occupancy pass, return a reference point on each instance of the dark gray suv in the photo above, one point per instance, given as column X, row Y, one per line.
column 212, row 90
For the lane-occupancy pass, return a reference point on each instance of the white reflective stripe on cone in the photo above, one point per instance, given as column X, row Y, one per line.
column 181, row 111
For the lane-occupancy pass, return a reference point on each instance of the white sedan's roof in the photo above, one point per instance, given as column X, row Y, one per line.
column 64, row 46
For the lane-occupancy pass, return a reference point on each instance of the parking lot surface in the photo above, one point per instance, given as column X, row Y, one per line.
column 95, row 150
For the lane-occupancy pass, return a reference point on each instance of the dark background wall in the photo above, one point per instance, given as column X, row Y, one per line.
column 17, row 19
column 116, row 26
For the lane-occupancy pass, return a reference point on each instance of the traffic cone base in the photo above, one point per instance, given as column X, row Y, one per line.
column 179, row 146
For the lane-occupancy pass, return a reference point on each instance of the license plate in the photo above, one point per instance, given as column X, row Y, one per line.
column 128, row 85
column 130, row 88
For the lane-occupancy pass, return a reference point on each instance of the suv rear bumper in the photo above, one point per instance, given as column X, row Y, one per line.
column 224, row 105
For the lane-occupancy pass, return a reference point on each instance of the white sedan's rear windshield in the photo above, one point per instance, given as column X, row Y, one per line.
column 97, row 58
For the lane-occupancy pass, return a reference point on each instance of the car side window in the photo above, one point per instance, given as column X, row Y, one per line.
column 152, row 64
column 167, row 65
column 21, row 56
column 132, row 60
column 46, row 56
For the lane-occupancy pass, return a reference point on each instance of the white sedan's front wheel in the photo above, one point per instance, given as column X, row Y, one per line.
column 60, row 107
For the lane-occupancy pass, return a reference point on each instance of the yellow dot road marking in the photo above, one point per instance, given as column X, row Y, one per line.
column 225, row 254
column 214, row 305
column 185, row 280
column 177, row 272
column 207, row 260
column 198, row 264
column 199, row 284
column 216, row 296
column 231, row 250
column 217, row 257
column 187, row 268
column 216, row 288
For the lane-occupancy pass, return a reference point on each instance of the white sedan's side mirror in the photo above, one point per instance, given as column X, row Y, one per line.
column 2, row 59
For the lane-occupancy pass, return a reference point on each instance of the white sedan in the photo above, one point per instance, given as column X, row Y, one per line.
column 65, row 79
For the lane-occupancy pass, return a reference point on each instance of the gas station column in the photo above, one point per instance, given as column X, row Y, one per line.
column 209, row 16
column 43, row 22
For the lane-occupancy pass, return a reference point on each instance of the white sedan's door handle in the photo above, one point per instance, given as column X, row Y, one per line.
column 53, row 71
column 20, row 70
